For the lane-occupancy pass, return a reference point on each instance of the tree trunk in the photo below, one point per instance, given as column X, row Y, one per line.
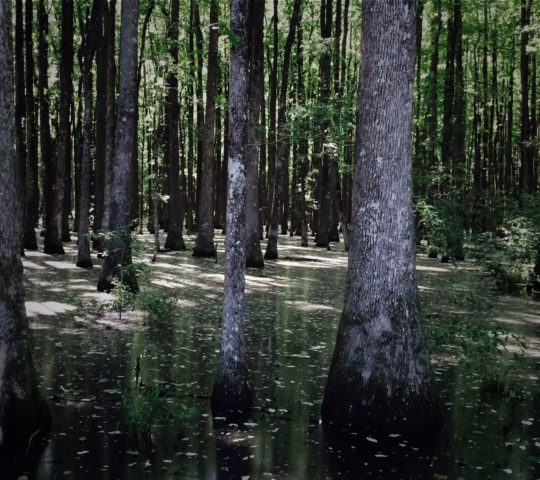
column 204, row 245
column 232, row 395
column 118, row 260
column 31, row 197
column 45, row 142
column 379, row 376
column 22, row 411
column 20, row 107
column 175, row 239
column 526, row 179
column 283, row 144
column 254, row 257
column 324, row 216
column 109, row 32
column 54, row 234
column 200, row 102
column 83, row 253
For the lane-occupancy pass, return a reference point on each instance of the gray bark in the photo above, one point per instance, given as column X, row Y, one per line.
column 204, row 245
column 31, row 197
column 22, row 412
column 83, row 253
column 118, row 260
column 254, row 257
column 232, row 395
column 53, row 232
column 175, row 239
column 380, row 376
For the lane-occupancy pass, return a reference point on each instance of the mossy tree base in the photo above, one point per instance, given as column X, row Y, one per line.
column 204, row 250
column 175, row 244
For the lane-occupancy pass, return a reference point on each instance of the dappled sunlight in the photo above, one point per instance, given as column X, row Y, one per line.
column 47, row 308
column 61, row 265
column 33, row 265
column 308, row 307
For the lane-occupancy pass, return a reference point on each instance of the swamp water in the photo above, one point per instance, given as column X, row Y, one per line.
column 87, row 357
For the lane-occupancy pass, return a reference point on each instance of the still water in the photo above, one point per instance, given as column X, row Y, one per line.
column 87, row 357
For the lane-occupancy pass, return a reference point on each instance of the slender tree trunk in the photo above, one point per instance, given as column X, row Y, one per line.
column 283, row 144
column 110, row 101
column 83, row 253
column 526, row 179
column 200, row 103
column 31, row 210
column 204, row 245
column 190, row 108
column 254, row 257
column 379, row 376
column 118, row 260
column 54, row 234
column 100, row 118
column 45, row 142
column 22, row 411
column 432, row 96
column 175, row 239
column 232, row 395
column 324, row 226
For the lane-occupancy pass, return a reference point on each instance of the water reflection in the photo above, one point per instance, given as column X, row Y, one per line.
column 293, row 311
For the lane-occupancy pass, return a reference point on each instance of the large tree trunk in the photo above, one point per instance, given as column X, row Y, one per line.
column 22, row 411
column 118, row 260
column 283, row 144
column 53, row 234
column 379, row 376
column 254, row 257
column 204, row 245
column 31, row 197
column 20, row 107
column 232, row 395
column 175, row 239
column 83, row 253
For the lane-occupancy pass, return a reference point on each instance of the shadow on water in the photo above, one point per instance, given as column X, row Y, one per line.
column 86, row 365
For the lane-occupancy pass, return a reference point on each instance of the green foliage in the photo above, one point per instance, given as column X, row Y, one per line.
column 481, row 349
column 145, row 406
column 123, row 298
column 158, row 304
column 140, row 411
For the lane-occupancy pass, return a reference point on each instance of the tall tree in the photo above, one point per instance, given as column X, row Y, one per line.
column 22, row 411
column 254, row 257
column 232, row 394
column 175, row 239
column 379, row 376
column 118, row 260
column 83, row 253
column 283, row 143
column 204, row 245
column 31, row 197
column 53, row 232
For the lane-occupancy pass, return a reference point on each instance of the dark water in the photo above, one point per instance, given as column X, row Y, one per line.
column 293, row 307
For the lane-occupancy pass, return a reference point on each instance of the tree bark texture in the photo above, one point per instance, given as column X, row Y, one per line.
column 379, row 376
column 31, row 196
column 232, row 395
column 53, row 234
column 254, row 257
column 175, row 239
column 22, row 411
column 83, row 252
column 204, row 245
column 118, row 260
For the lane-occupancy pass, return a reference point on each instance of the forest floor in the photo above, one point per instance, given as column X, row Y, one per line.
column 88, row 354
